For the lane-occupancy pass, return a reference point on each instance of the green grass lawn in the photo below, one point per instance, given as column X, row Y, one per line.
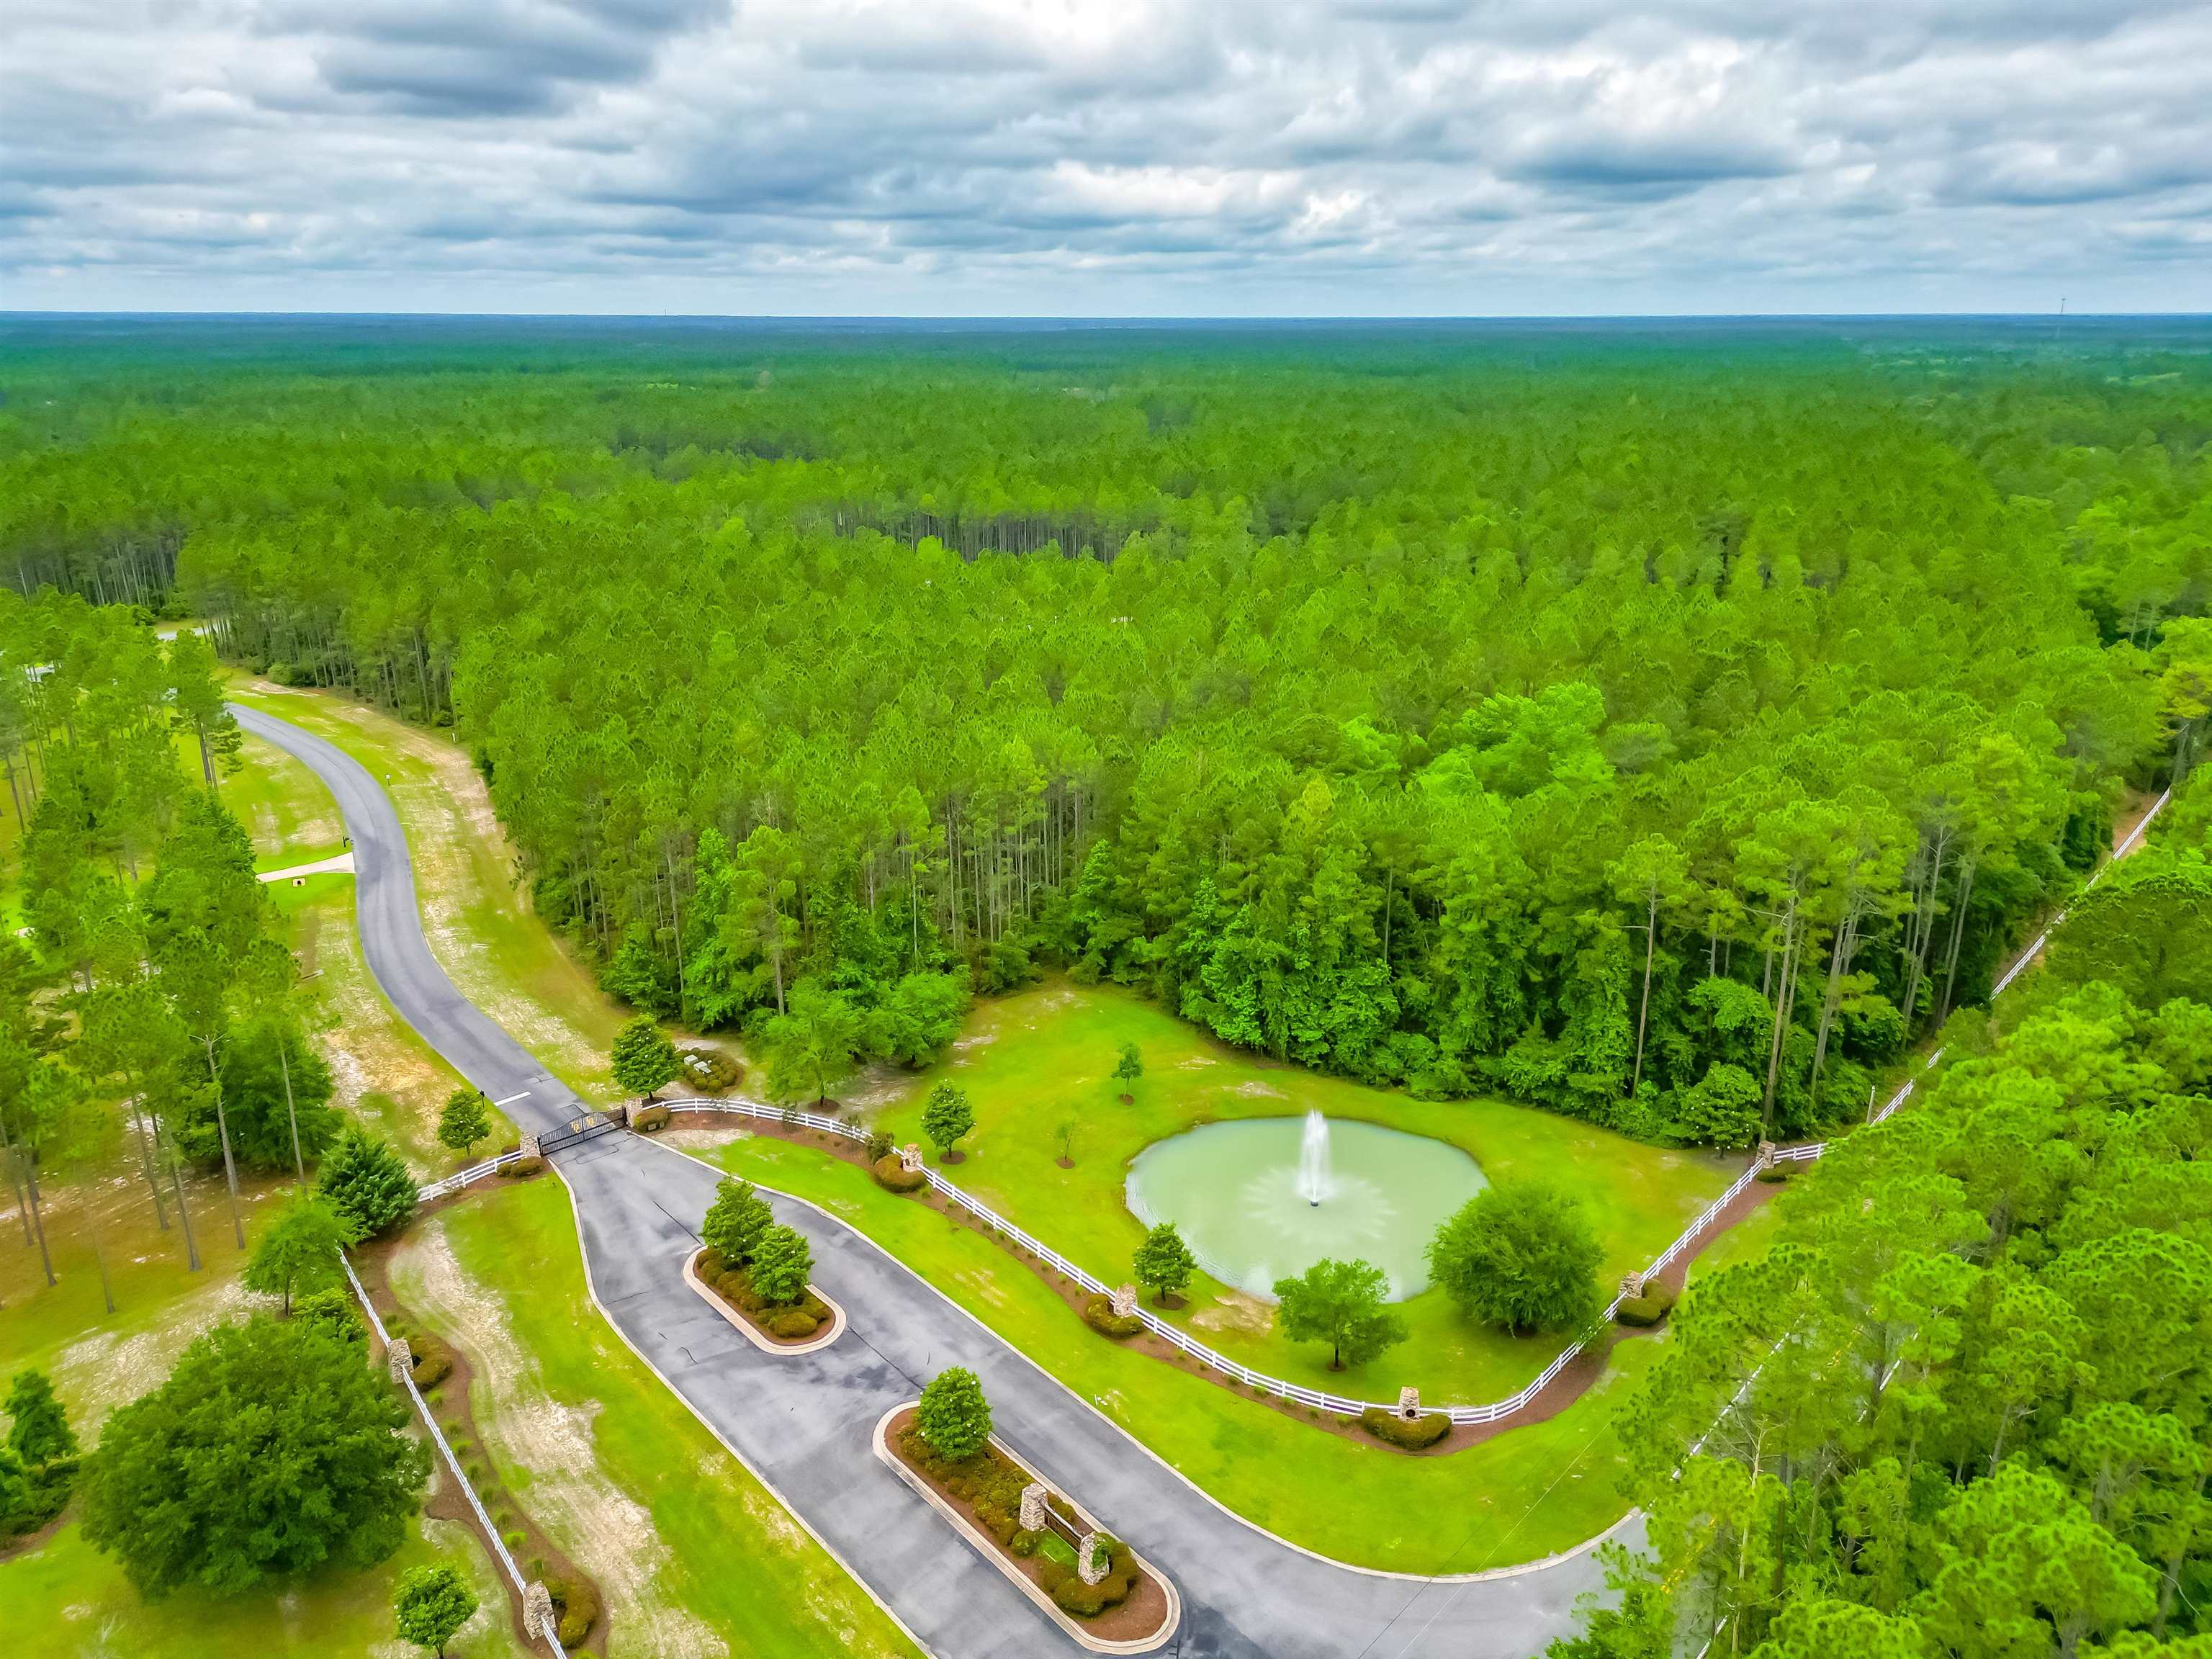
column 292, row 818
column 686, row 1545
column 1530, row 1492
column 1042, row 1057
column 477, row 919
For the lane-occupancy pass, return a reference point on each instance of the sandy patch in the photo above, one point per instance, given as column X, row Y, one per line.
column 696, row 1132
column 611, row 1536
column 1258, row 1090
column 1237, row 1311
column 103, row 1371
column 1195, row 1063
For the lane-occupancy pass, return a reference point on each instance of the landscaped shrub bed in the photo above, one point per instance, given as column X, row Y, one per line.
column 1098, row 1314
column 1125, row 1604
column 647, row 1119
column 1649, row 1309
column 892, row 1175
column 522, row 1167
column 710, row 1070
column 1416, row 1435
column 795, row 1323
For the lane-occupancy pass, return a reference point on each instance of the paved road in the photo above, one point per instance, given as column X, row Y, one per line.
column 804, row 1423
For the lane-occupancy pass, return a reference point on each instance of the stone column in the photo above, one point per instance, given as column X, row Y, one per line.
column 1632, row 1285
column 1766, row 1156
column 1125, row 1301
column 1090, row 1558
column 1033, row 1511
column 530, row 1147
column 400, row 1359
column 537, row 1615
column 910, row 1159
column 1409, row 1404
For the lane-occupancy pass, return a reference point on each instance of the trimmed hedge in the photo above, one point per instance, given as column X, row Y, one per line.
column 433, row 1365
column 1423, row 1432
column 1071, row 1595
column 792, row 1323
column 1775, row 1174
column 522, row 1168
column 890, row 1175
column 650, row 1119
column 1654, row 1304
column 579, row 1606
column 1098, row 1314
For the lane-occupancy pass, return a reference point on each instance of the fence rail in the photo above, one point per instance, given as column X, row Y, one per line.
column 452, row 1464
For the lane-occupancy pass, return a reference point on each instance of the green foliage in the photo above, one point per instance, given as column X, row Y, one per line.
column 1417, row 1435
column 946, row 1115
column 38, row 1430
column 364, row 1179
column 781, row 1259
column 895, row 1176
column 299, row 1250
column 1520, row 1255
column 1342, row 1304
column 332, row 1312
column 812, row 1044
column 1722, row 1108
column 463, row 1120
column 1163, row 1263
column 1098, row 1314
column 735, row 1221
column 953, row 1418
column 269, row 1451
column 1643, row 1311
column 1129, row 1066
column 432, row 1603
column 644, row 1059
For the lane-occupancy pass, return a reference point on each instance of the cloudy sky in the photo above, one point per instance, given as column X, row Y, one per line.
column 1129, row 157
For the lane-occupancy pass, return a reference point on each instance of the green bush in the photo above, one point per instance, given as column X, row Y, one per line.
column 579, row 1606
column 516, row 1540
column 709, row 1071
column 1649, row 1309
column 1387, row 1425
column 1098, row 1314
column 893, row 1176
column 1071, row 1595
column 649, row 1120
column 781, row 1260
column 954, row 1418
column 791, row 1324
column 880, row 1145
column 1774, row 1174
column 522, row 1168
column 432, row 1366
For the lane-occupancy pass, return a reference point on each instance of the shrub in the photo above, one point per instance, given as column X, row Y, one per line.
column 710, row 1070
column 432, row 1366
column 364, row 1179
column 954, row 1418
column 579, row 1606
column 332, row 1312
column 644, row 1060
column 790, row 1323
column 1387, row 1425
column 650, row 1119
column 1774, row 1174
column 891, row 1175
column 515, row 1541
column 1649, row 1309
column 880, row 1145
column 1071, row 1595
column 1521, row 1254
column 1098, row 1314
column 522, row 1168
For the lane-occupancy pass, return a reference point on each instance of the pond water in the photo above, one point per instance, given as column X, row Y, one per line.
column 1244, row 1195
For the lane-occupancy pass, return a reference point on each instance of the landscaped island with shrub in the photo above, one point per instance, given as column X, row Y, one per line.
column 759, row 1267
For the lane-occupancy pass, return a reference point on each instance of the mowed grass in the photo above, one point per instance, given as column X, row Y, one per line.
column 1531, row 1492
column 691, row 1551
column 292, row 818
column 1043, row 1057
column 475, row 915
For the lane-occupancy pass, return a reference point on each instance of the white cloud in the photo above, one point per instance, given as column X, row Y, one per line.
column 1105, row 155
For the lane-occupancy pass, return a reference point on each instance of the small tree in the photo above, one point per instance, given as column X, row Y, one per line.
column 946, row 1116
column 463, row 1122
column 1163, row 1262
column 1064, row 1132
column 781, row 1262
column 735, row 1221
column 954, row 1418
column 1340, row 1303
column 300, row 1251
column 813, row 1043
column 644, row 1058
column 432, row 1603
column 39, row 1433
column 365, row 1179
column 1523, row 1255
column 1130, row 1067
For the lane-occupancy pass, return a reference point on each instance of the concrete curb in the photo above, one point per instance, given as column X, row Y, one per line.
column 1022, row 1581
column 745, row 1325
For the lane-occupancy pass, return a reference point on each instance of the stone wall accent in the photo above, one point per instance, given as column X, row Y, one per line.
column 401, row 1358
column 910, row 1157
column 1033, row 1511
column 1091, row 1558
column 1409, row 1404
column 1125, row 1301
column 539, row 1619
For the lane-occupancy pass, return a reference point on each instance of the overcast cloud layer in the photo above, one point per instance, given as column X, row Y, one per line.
column 1064, row 157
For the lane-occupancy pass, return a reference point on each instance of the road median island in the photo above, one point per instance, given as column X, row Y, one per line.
column 1141, row 1607
column 829, row 1316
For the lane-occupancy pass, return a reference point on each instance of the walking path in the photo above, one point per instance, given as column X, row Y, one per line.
column 803, row 1423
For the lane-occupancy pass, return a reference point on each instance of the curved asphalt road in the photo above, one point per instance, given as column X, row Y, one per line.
column 804, row 1423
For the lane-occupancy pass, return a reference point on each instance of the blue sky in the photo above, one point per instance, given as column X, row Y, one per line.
column 1061, row 157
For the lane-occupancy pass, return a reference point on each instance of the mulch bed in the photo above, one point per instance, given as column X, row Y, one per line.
column 751, row 1318
column 452, row 1406
column 1574, row 1380
column 1140, row 1615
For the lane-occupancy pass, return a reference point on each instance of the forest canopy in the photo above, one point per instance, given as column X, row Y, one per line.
column 1659, row 727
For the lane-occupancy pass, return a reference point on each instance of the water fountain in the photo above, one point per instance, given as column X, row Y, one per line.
column 1313, row 1159
column 1262, row 1199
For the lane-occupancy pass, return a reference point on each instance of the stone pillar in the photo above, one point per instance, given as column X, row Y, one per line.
column 530, row 1147
column 910, row 1159
column 1766, row 1156
column 1125, row 1301
column 1033, row 1512
column 1409, row 1404
column 401, row 1358
column 1090, row 1559
column 1632, row 1285
column 538, row 1616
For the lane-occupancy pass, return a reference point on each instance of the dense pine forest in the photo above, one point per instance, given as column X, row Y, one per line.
column 1662, row 725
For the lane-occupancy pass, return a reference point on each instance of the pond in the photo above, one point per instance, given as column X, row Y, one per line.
column 1263, row 1199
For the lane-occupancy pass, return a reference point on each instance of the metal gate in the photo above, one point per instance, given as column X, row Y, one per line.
column 590, row 1126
